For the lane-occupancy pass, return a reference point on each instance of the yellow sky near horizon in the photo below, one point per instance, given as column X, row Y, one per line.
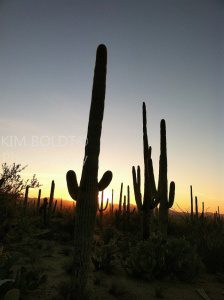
column 182, row 195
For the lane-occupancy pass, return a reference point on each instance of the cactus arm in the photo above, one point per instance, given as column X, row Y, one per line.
column 101, row 208
column 137, row 187
column 105, row 180
column 171, row 194
column 72, row 184
column 106, row 204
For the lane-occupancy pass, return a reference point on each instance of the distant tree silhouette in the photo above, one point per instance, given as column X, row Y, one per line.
column 11, row 181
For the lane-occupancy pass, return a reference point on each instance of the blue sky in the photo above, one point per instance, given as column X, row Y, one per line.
column 168, row 53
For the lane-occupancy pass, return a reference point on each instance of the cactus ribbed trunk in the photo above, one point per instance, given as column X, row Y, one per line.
column 87, row 195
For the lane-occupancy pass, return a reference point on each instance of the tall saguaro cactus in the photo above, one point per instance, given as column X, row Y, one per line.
column 150, row 198
column 165, row 202
column 86, row 193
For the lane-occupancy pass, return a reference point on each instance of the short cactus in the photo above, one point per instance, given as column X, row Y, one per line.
column 51, row 199
column 38, row 200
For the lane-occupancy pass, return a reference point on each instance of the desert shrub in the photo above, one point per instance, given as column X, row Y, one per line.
column 146, row 258
column 6, row 263
column 156, row 258
column 211, row 249
column 182, row 260
column 117, row 288
column 108, row 234
column 29, row 278
column 104, row 257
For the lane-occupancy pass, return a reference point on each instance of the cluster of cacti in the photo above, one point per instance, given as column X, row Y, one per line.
column 152, row 197
column 47, row 208
column 86, row 194
column 122, row 214
column 194, row 201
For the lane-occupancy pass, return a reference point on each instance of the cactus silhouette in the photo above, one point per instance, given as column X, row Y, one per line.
column 86, row 193
column 112, row 203
column 165, row 202
column 196, row 207
column 120, row 200
column 102, row 209
column 51, row 199
column 1, row 181
column 38, row 200
column 192, row 203
column 150, row 198
column 25, row 201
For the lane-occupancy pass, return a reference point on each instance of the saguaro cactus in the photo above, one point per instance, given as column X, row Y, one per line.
column 38, row 200
column 112, row 203
column 150, row 197
column 51, row 199
column 25, row 202
column 86, row 193
column 196, row 207
column 165, row 201
column 202, row 209
column 192, row 204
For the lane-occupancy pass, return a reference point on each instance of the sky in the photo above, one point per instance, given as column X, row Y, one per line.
column 168, row 53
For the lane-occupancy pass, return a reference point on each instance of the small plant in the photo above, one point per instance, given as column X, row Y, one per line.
column 158, row 257
column 29, row 278
column 146, row 259
column 182, row 259
column 104, row 257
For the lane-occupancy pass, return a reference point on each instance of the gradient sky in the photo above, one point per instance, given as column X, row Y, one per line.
column 168, row 53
